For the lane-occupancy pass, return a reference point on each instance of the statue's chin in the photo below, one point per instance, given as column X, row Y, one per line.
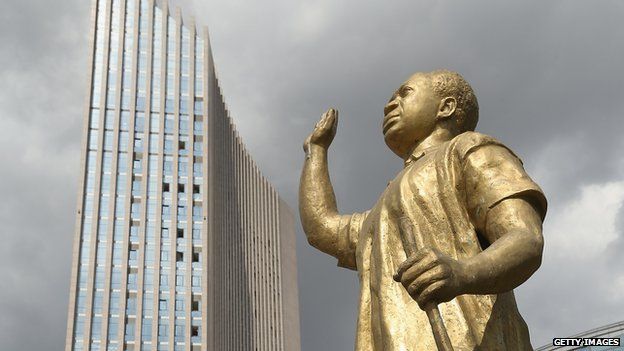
column 394, row 146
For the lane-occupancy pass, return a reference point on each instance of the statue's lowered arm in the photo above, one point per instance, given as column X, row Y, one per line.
column 512, row 228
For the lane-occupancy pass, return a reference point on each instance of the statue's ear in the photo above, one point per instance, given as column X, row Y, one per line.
column 447, row 107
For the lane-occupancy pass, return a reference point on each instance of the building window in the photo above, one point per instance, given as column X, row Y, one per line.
column 113, row 328
column 163, row 332
column 116, row 279
column 133, row 256
column 146, row 329
column 129, row 330
column 131, row 305
column 134, row 232
column 197, row 213
column 97, row 302
column 114, row 303
column 196, row 233
column 195, row 304
column 81, row 301
column 148, row 283
column 123, row 122
column 163, row 305
column 195, row 281
column 179, row 280
column 96, row 327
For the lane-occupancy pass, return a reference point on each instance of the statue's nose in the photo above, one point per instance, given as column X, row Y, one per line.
column 390, row 106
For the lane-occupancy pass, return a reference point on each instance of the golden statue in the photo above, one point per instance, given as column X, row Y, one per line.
column 459, row 227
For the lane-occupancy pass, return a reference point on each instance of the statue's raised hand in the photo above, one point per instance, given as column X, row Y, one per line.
column 324, row 131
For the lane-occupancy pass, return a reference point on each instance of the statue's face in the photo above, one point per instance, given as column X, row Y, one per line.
column 410, row 115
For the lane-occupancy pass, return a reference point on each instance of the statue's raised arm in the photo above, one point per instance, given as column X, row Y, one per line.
column 324, row 227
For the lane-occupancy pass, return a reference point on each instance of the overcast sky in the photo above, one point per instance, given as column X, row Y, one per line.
column 550, row 84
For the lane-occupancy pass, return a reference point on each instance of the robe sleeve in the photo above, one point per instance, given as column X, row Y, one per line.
column 493, row 173
column 348, row 233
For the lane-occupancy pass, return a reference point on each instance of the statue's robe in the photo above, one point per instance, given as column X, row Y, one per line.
column 447, row 192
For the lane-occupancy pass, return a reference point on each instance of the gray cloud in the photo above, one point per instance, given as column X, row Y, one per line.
column 43, row 65
column 547, row 75
column 616, row 248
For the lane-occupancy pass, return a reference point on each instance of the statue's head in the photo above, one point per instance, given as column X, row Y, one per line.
column 424, row 103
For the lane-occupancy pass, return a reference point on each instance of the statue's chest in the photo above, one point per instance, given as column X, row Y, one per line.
column 416, row 184
column 413, row 192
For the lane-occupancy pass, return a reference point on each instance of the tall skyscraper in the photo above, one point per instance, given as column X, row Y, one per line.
column 180, row 243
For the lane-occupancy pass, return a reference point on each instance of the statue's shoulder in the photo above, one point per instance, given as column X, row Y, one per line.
column 467, row 142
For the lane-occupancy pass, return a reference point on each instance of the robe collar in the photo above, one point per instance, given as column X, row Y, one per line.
column 417, row 155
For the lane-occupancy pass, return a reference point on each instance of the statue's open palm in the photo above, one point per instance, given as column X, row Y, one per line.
column 324, row 131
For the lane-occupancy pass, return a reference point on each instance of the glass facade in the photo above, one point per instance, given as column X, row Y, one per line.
column 132, row 272
column 141, row 262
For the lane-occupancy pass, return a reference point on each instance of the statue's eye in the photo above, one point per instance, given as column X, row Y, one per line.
column 406, row 90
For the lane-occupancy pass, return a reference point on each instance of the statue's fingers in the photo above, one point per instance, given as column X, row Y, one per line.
column 403, row 267
column 417, row 286
column 322, row 121
column 408, row 263
column 329, row 125
column 429, row 294
column 420, row 269
column 335, row 119
column 332, row 112
column 320, row 126
column 328, row 120
column 328, row 114
column 319, row 122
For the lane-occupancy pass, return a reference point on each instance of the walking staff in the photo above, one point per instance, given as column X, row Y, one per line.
column 412, row 242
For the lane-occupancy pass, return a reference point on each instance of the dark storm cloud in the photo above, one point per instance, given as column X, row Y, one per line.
column 547, row 76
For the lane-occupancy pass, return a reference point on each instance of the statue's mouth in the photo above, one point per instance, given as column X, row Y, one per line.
column 389, row 121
